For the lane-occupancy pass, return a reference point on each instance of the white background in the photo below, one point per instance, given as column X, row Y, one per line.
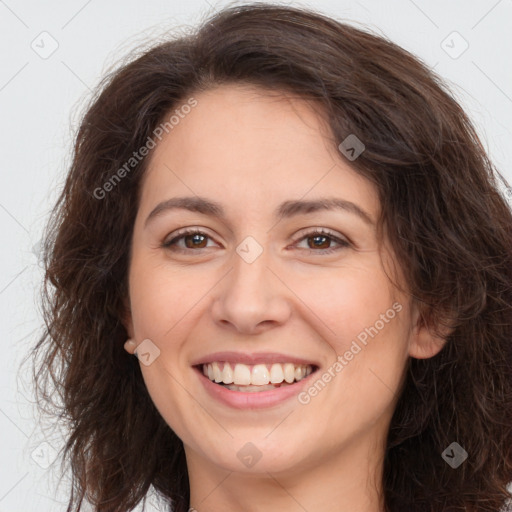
column 41, row 101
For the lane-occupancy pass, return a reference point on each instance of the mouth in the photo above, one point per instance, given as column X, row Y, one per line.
column 254, row 378
column 251, row 381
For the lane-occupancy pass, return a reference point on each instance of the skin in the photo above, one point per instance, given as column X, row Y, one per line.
column 249, row 150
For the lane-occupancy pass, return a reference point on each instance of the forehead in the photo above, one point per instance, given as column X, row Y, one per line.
column 255, row 147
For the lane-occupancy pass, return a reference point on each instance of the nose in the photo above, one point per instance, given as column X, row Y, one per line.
column 251, row 298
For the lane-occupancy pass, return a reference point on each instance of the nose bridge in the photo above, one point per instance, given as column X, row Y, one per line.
column 251, row 295
column 250, row 267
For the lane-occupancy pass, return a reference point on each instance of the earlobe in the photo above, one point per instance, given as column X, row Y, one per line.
column 422, row 348
column 130, row 346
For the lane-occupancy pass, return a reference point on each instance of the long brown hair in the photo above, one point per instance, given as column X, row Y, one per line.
column 441, row 209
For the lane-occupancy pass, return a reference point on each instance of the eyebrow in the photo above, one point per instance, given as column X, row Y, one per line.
column 286, row 209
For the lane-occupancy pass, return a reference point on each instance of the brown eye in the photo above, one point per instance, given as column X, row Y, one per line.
column 321, row 240
column 192, row 239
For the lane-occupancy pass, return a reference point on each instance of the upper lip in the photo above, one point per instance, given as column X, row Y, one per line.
column 252, row 358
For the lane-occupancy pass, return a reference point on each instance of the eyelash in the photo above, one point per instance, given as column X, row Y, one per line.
column 320, row 232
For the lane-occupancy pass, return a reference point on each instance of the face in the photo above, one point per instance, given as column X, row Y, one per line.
column 252, row 272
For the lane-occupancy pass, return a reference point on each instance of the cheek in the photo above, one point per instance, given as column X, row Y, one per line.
column 365, row 322
column 162, row 297
column 347, row 300
column 162, row 301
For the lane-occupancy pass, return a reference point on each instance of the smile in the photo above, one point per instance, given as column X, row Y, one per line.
column 249, row 380
column 254, row 378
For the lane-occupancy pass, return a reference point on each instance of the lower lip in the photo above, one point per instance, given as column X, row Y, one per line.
column 254, row 400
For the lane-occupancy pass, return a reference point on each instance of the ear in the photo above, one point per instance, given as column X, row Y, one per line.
column 130, row 344
column 427, row 341
column 126, row 319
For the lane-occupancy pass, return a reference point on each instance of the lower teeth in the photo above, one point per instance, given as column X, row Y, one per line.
column 254, row 389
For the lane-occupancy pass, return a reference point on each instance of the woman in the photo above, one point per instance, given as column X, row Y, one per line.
column 294, row 228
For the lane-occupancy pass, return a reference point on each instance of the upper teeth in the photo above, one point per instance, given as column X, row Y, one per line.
column 257, row 375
